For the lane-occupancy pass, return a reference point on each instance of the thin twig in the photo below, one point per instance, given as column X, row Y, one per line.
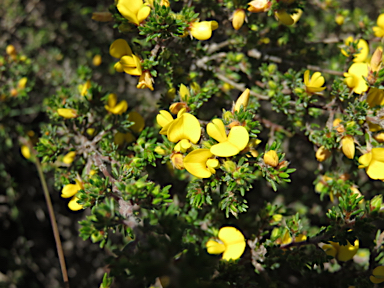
column 52, row 217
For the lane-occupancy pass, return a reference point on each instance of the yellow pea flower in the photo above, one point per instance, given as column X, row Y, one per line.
column 96, row 61
column 373, row 162
column 271, row 158
column 69, row 157
column 348, row 146
column 242, row 100
column 238, row 18
column 377, row 273
column 115, row 108
column 67, row 113
column 339, row 19
column 25, row 151
column 22, row 83
column 231, row 243
column 145, row 81
column 102, row 16
column 288, row 19
column 202, row 30
column 83, row 88
column 129, row 62
column 70, row 190
column 230, row 145
column 354, row 78
column 322, row 154
column 135, row 11
column 313, row 84
column 379, row 29
column 11, row 50
column 341, row 252
column 200, row 163
column 182, row 146
column 362, row 45
column 258, row 6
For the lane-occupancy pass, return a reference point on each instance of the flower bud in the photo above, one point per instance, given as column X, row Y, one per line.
column 242, row 100
column 177, row 161
column 271, row 158
column 176, row 107
column 322, row 154
column 159, row 150
column 238, row 18
column 96, row 61
column 376, row 59
column 258, row 6
column 379, row 137
column 339, row 19
column 11, row 50
column 69, row 157
column 25, row 151
column 203, row 30
column 348, row 146
column 67, row 113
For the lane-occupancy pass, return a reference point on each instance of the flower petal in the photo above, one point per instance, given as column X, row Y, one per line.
column 306, row 77
column 234, row 242
column 70, row 189
column 378, row 154
column 239, row 137
column 195, row 163
column 73, row 205
column 185, row 127
column 375, row 170
column 143, row 13
column 129, row 9
column 214, row 247
column 119, row 48
column 216, row 130
column 224, row 149
column 365, row 159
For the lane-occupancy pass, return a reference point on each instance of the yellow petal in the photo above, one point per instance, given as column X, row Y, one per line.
column 358, row 70
column 375, row 280
column 129, row 9
column 131, row 65
column 380, row 20
column 348, row 146
column 119, row 48
column 375, row 97
column 112, row 100
column 284, row 17
column 317, row 80
column 184, row 93
column 306, row 77
column 375, row 170
column 379, row 32
column 25, row 151
column 378, row 272
column 214, row 247
column 139, row 121
column 69, row 157
column 378, row 154
column 238, row 18
column 70, row 189
column 185, row 127
column 119, row 108
column 346, row 252
column 73, row 205
column 201, row 30
column 365, row 159
column 164, row 118
column 67, row 113
column 234, row 242
column 242, row 100
column 195, row 163
column 224, row 149
column 118, row 67
column 271, row 158
column 143, row 13
column 329, row 250
column 216, row 130
column 239, row 137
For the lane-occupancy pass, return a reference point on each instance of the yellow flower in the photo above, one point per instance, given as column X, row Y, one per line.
column 182, row 146
column 375, row 97
column 354, row 78
column 230, row 145
column 11, row 50
column 271, row 158
column 96, row 61
column 362, row 45
column 341, row 252
column 203, row 30
column 380, row 137
column 184, row 93
column 238, row 18
column 164, row 119
column 70, row 190
column 373, row 162
column 22, row 83
column 135, row 11
column 67, row 113
column 379, row 29
column 69, row 157
column 186, row 126
column 102, row 16
column 145, row 81
column 83, row 88
column 315, row 83
column 377, row 273
column 129, row 62
column 286, row 238
column 139, row 122
column 116, row 108
column 288, row 19
column 25, row 151
column 257, row 6
column 339, row 19
column 322, row 154
column 348, row 146
column 231, row 243
column 200, row 163
column 242, row 100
